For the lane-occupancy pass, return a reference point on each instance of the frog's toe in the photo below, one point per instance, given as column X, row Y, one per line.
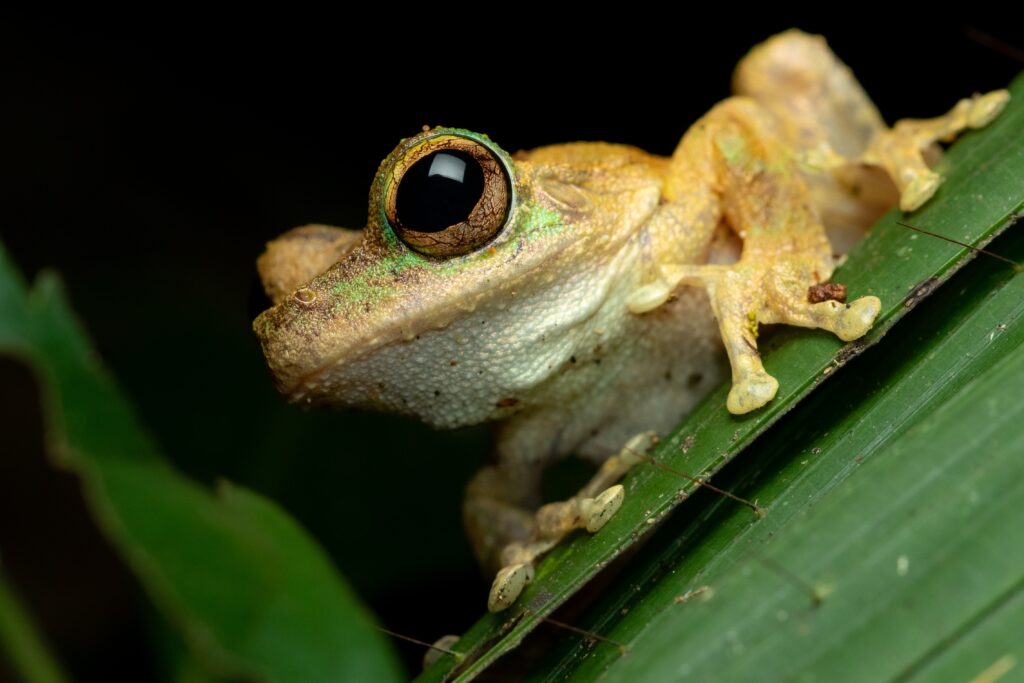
column 987, row 107
column 597, row 511
column 507, row 586
column 751, row 392
column 920, row 189
column 441, row 646
column 636, row 449
column 857, row 318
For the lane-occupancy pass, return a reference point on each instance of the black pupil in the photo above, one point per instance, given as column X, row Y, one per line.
column 439, row 191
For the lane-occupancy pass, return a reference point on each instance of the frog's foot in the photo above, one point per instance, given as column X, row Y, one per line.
column 553, row 523
column 589, row 509
column 746, row 295
column 901, row 150
column 849, row 321
column 750, row 391
column 441, row 646
column 508, row 584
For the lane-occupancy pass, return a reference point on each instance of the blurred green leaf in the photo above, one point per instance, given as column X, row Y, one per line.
column 981, row 196
column 253, row 594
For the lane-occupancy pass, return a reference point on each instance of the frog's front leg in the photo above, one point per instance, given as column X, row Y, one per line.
column 741, row 172
column 748, row 294
column 521, row 538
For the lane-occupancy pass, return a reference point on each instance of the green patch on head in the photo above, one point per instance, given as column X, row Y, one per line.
column 370, row 285
column 540, row 221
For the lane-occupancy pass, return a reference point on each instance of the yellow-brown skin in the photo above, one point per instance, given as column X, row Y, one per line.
column 592, row 311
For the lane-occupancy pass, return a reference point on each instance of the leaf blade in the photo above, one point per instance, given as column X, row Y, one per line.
column 882, row 547
column 254, row 596
column 808, row 457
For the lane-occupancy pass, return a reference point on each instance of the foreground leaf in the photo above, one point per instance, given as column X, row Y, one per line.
column 253, row 594
column 981, row 196
column 896, row 483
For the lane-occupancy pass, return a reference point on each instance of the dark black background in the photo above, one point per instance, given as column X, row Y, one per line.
column 148, row 160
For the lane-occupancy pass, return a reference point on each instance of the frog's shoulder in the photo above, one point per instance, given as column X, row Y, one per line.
column 592, row 155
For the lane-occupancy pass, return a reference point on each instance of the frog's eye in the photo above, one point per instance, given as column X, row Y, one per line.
column 448, row 196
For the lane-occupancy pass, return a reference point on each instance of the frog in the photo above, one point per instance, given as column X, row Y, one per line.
column 585, row 296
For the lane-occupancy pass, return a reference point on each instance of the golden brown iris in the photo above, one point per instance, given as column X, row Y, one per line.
column 449, row 195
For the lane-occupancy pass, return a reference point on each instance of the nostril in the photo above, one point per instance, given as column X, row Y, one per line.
column 305, row 296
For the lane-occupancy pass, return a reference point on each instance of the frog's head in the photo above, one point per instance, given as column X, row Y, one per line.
column 464, row 291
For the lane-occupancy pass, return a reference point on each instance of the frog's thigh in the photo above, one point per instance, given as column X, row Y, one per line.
column 589, row 509
column 814, row 96
column 765, row 201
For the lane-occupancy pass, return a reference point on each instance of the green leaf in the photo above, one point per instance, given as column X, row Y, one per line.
column 252, row 593
column 981, row 196
column 909, row 458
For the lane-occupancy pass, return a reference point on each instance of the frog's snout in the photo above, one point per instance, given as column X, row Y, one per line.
column 301, row 254
column 290, row 336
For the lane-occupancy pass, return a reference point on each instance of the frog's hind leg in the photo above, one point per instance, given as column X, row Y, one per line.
column 589, row 509
column 810, row 92
column 855, row 165
column 901, row 150
column 824, row 115
column 822, row 110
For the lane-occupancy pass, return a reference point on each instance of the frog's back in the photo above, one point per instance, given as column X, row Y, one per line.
column 596, row 155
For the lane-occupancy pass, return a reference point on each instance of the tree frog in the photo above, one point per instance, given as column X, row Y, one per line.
column 580, row 294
